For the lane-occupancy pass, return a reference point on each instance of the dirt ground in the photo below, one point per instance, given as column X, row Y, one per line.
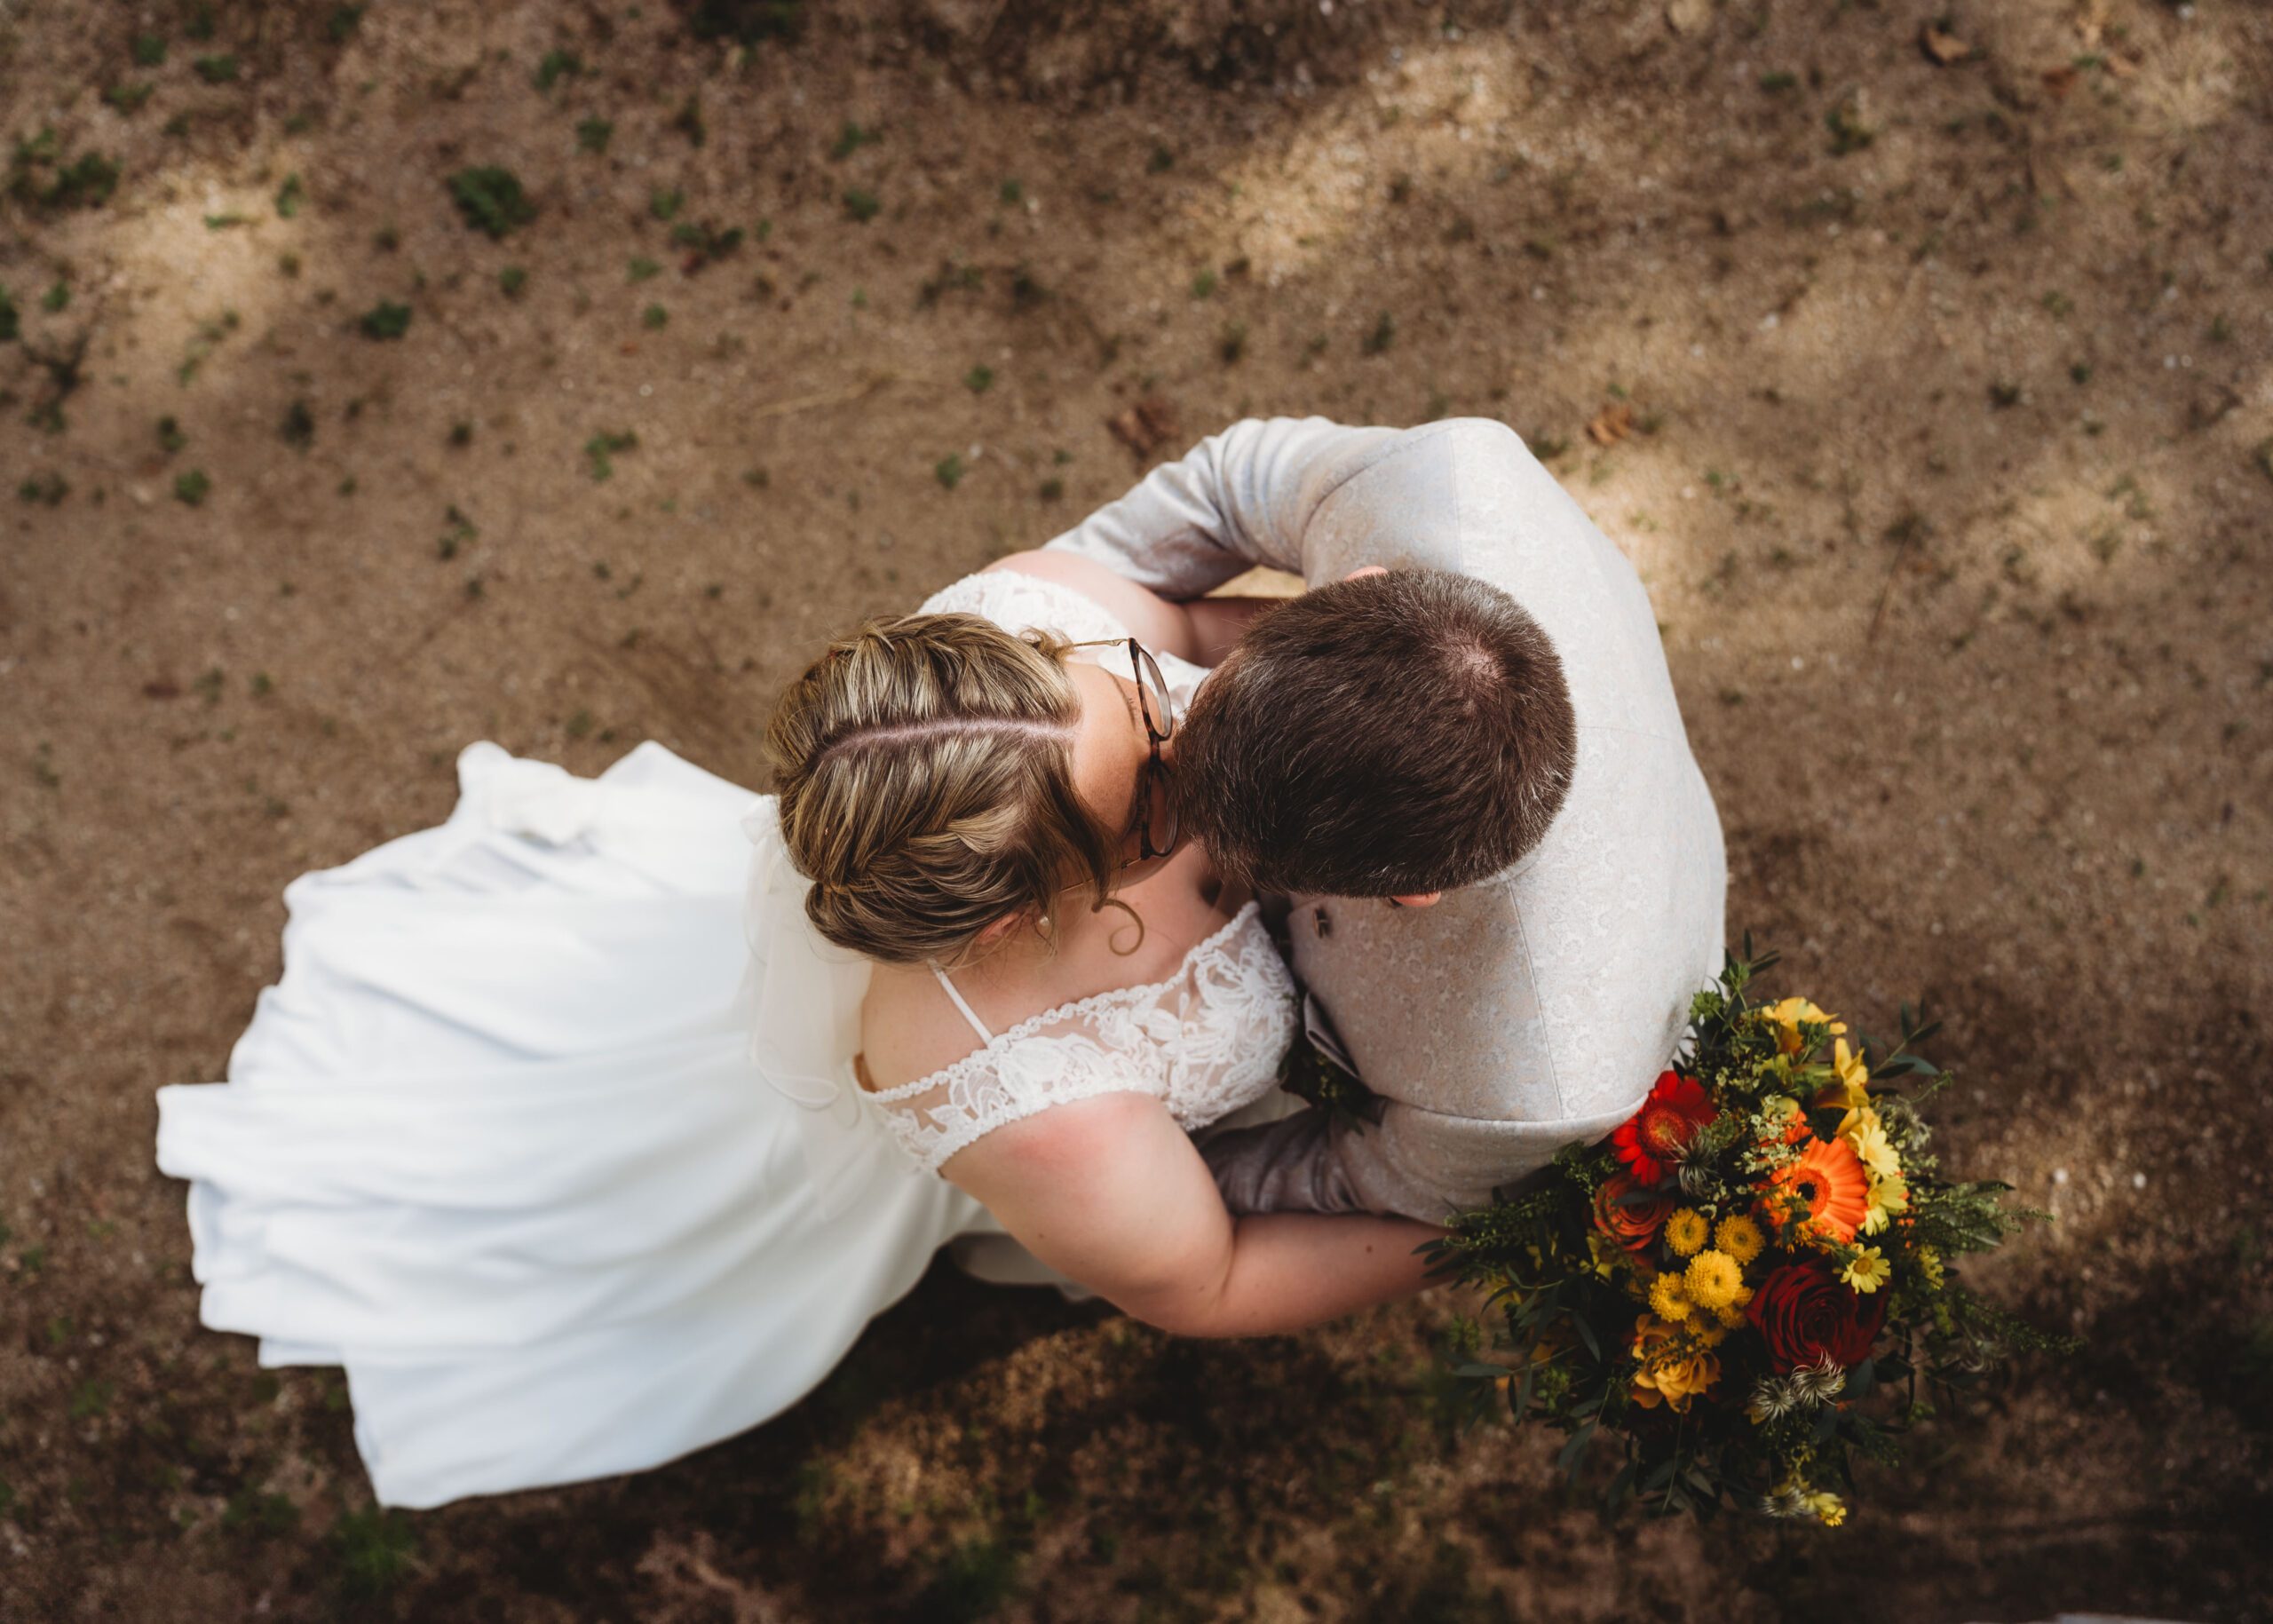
column 1933, row 399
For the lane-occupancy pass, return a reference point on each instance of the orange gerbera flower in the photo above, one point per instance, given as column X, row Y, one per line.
column 1829, row 1181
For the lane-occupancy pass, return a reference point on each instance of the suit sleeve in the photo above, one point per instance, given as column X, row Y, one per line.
column 1244, row 497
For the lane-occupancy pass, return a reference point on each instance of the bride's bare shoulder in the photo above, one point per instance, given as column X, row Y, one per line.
column 908, row 1028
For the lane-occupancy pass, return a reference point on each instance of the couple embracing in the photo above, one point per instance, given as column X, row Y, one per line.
column 581, row 1137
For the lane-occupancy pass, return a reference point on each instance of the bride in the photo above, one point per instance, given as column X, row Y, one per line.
column 591, row 1127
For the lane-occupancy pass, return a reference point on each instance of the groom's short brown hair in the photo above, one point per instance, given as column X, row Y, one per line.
column 1382, row 736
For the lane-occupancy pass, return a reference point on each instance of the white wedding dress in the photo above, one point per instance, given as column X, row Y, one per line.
column 549, row 1135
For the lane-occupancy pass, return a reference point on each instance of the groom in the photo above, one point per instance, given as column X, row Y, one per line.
column 1472, row 701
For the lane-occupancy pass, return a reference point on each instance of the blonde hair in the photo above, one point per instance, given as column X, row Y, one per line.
column 926, row 780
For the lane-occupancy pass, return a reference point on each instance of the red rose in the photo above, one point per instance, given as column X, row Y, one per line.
column 1653, row 1139
column 1804, row 1314
column 1629, row 1214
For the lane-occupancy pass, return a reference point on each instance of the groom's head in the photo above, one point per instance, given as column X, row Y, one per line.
column 1388, row 735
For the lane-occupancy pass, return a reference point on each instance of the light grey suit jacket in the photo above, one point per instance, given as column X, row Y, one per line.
column 1536, row 1006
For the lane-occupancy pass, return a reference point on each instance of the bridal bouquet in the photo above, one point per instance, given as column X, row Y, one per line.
column 1754, row 1280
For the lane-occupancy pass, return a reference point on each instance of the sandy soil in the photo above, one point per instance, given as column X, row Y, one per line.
column 1940, row 425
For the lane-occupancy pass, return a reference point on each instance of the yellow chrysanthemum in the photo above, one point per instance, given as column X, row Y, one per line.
column 1862, row 1128
column 1826, row 1506
column 1686, row 1231
column 1786, row 1018
column 1888, row 1197
column 1739, row 1236
column 1707, row 1332
column 1867, row 1272
column 1929, row 1264
column 1852, row 1090
column 1668, row 1298
column 1731, row 1314
column 1713, row 1280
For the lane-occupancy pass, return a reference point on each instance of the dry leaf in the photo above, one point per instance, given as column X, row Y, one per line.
column 1943, row 48
column 1687, row 16
column 2119, row 67
column 1614, row 424
column 2060, row 81
column 1146, row 426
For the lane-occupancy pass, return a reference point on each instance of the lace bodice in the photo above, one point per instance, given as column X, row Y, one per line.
column 1205, row 1042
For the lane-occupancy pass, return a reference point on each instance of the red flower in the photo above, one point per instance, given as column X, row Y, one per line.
column 1653, row 1138
column 1804, row 1314
column 1628, row 1215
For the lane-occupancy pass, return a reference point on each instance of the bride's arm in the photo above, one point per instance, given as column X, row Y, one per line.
column 1201, row 630
column 1111, row 1191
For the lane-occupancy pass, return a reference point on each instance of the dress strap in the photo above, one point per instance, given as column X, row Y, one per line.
column 948, row 988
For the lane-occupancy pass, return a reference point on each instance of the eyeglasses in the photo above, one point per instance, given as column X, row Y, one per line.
column 1158, row 823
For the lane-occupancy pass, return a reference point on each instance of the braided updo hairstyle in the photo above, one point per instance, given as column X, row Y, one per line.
column 925, row 769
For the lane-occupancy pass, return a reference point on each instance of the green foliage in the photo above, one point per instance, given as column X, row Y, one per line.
column 1384, row 333
column 1849, row 133
column 641, row 268
column 261, row 1516
column 11, row 324
column 386, row 320
column 216, row 70
column 594, row 133
column 654, row 316
column 978, row 380
column 340, row 27
column 978, row 1576
column 298, row 429
column 948, row 471
column 862, row 205
column 191, row 488
column 149, row 50
column 491, row 199
column 1309, row 1073
column 86, row 182
column 556, row 65
column 604, row 446
column 290, row 196
column 374, row 1550
column 851, row 139
column 170, row 438
column 750, row 21
column 512, row 280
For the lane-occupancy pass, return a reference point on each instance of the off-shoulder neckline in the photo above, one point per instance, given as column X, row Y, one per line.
column 1033, row 1024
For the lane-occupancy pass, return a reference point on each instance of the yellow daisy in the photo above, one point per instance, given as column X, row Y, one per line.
column 1826, row 1506
column 1862, row 1128
column 1668, row 1299
column 1686, row 1231
column 1713, row 1280
column 1888, row 1197
column 1929, row 1264
column 1739, row 1236
column 1867, row 1272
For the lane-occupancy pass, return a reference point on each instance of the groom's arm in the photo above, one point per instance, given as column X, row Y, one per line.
column 1240, row 498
